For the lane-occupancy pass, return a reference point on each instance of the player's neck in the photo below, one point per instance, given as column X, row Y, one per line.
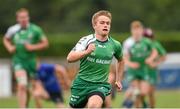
column 101, row 38
column 25, row 25
column 137, row 38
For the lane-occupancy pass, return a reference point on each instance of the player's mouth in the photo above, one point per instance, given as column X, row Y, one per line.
column 105, row 30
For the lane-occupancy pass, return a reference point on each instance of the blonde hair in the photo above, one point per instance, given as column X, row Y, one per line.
column 136, row 24
column 22, row 10
column 101, row 13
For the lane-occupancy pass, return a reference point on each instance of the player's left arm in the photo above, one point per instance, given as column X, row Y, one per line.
column 158, row 61
column 119, row 66
column 153, row 55
column 161, row 54
column 42, row 44
column 119, row 74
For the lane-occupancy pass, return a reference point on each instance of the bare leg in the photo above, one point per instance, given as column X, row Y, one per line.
column 39, row 93
column 28, row 98
column 131, row 95
column 95, row 101
column 145, row 89
column 136, row 86
column 152, row 97
column 21, row 78
column 108, row 102
column 60, row 105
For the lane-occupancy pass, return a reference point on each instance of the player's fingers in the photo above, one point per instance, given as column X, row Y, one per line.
column 93, row 46
column 119, row 87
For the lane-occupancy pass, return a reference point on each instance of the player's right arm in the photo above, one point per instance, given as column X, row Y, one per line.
column 74, row 56
column 133, row 65
column 9, row 46
column 83, row 47
column 7, row 38
column 127, row 56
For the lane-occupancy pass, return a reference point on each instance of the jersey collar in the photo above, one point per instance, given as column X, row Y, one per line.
column 99, row 40
column 28, row 25
column 137, row 40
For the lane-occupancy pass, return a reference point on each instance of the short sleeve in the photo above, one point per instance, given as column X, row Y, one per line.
column 83, row 43
column 128, row 43
column 118, row 50
column 161, row 50
column 9, row 33
column 12, row 30
column 39, row 33
column 125, row 48
column 150, row 44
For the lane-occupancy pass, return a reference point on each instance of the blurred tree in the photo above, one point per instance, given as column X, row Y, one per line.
column 75, row 15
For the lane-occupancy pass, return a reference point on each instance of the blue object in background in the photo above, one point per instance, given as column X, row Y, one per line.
column 169, row 78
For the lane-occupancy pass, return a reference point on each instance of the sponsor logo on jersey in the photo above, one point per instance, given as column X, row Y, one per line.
column 101, row 46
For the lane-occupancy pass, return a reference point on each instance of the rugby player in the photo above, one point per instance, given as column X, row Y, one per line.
column 23, row 40
column 153, row 72
column 139, row 53
column 95, row 52
column 48, row 86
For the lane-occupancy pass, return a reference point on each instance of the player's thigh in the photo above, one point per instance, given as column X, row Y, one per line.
column 133, row 88
column 21, row 77
column 95, row 101
column 135, row 83
column 152, row 90
column 107, row 102
column 145, row 87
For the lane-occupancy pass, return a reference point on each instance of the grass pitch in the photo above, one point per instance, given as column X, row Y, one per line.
column 164, row 99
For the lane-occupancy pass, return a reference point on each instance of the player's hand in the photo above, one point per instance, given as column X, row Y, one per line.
column 134, row 65
column 91, row 48
column 29, row 47
column 118, row 85
column 153, row 64
column 148, row 61
column 11, row 49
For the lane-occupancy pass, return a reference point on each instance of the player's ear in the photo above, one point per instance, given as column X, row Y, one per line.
column 94, row 25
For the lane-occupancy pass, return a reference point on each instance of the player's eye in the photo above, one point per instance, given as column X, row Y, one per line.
column 102, row 22
column 108, row 23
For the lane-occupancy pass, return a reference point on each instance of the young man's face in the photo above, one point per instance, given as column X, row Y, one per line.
column 137, row 32
column 102, row 25
column 23, row 19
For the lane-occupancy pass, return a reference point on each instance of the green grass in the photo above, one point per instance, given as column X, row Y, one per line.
column 164, row 99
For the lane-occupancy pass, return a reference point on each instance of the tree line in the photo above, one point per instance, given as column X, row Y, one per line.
column 75, row 15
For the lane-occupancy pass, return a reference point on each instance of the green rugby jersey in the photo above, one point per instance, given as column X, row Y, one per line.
column 19, row 36
column 138, row 50
column 161, row 52
column 95, row 66
column 160, row 49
